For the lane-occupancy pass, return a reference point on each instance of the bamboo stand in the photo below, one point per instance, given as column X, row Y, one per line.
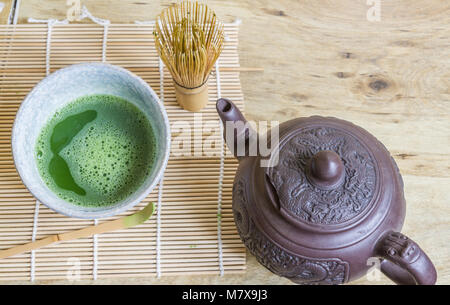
column 194, row 99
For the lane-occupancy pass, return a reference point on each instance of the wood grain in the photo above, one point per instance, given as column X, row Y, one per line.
column 323, row 57
column 4, row 14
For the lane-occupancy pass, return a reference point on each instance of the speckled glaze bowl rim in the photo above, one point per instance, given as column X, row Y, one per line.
column 144, row 193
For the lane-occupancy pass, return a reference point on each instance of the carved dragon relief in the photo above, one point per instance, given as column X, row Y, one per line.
column 297, row 268
column 400, row 249
column 314, row 205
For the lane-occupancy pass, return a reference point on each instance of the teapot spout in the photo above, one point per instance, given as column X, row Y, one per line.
column 237, row 132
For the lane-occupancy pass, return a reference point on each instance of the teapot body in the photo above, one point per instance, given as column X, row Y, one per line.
column 301, row 264
column 327, row 204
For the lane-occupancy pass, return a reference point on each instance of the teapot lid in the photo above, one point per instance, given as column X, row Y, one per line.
column 330, row 175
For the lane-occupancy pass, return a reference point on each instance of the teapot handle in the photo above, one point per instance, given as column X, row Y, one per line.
column 404, row 261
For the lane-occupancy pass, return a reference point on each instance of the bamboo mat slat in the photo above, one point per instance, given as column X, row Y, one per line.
column 189, row 232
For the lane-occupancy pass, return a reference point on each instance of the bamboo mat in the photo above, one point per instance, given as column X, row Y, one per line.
column 192, row 233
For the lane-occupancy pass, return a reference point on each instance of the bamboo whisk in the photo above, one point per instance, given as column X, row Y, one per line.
column 189, row 39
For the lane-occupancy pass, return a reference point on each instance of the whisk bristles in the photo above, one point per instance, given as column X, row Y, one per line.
column 189, row 39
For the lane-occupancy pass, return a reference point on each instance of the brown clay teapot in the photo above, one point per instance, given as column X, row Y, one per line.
column 332, row 204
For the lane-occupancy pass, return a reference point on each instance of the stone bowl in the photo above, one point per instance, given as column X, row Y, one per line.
column 59, row 89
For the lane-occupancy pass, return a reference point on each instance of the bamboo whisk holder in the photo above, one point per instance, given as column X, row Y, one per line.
column 192, row 99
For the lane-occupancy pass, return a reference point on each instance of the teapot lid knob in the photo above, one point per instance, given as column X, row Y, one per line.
column 325, row 170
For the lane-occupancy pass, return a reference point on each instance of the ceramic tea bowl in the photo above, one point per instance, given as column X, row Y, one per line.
column 59, row 89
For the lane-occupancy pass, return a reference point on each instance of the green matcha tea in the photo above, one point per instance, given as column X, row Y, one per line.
column 96, row 151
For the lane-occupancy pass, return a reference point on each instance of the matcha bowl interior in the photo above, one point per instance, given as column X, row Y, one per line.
column 61, row 88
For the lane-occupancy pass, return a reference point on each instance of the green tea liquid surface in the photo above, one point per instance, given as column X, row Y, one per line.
column 96, row 151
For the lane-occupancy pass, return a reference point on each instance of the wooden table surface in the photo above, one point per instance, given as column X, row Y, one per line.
column 324, row 57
